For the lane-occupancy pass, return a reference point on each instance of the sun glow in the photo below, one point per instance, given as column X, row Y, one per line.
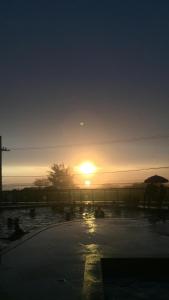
column 87, row 168
column 87, row 183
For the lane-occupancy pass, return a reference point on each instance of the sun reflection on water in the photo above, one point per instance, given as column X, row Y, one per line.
column 90, row 222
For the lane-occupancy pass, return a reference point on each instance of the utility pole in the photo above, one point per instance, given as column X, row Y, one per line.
column 2, row 149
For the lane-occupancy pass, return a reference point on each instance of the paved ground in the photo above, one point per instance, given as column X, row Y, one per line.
column 57, row 263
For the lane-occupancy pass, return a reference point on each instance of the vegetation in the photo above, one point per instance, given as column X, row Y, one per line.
column 40, row 183
column 61, row 176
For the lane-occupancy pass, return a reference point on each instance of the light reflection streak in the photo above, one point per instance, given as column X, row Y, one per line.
column 90, row 222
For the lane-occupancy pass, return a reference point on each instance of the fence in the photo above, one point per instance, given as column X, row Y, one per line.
column 118, row 197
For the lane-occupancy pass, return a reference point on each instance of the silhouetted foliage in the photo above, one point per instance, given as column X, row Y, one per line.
column 43, row 182
column 61, row 176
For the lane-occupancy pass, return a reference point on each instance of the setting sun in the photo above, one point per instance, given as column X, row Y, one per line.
column 87, row 183
column 87, row 168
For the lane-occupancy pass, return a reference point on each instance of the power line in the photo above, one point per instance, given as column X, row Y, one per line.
column 31, row 176
column 101, row 143
column 134, row 170
column 100, row 172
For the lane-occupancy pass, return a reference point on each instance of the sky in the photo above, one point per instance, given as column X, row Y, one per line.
column 104, row 63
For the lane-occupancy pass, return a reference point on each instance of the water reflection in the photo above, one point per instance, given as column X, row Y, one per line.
column 89, row 220
column 91, row 249
column 92, row 272
column 31, row 219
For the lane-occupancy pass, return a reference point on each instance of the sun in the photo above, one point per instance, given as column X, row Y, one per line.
column 87, row 183
column 87, row 168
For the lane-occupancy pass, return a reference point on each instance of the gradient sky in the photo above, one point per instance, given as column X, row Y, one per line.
column 102, row 62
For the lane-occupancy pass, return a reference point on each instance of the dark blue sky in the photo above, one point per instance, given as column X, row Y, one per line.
column 102, row 62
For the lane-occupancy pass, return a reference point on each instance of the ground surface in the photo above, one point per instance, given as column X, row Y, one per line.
column 52, row 264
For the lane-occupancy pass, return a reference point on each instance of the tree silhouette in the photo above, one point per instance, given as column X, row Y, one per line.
column 41, row 182
column 61, row 176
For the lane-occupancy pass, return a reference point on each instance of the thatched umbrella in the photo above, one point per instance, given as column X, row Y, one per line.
column 156, row 179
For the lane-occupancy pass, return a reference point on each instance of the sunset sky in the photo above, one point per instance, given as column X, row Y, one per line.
column 104, row 63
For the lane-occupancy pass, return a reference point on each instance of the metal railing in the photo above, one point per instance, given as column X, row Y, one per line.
column 118, row 197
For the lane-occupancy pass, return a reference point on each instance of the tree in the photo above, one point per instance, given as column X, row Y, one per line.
column 61, row 176
column 42, row 182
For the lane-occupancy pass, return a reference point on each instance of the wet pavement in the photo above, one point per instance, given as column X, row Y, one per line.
column 61, row 262
column 47, row 216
